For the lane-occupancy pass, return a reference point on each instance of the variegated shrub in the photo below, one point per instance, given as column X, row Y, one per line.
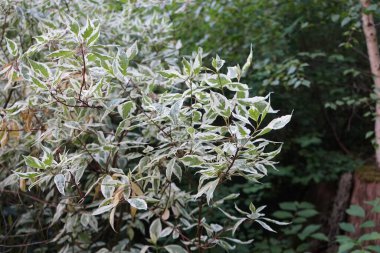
column 122, row 145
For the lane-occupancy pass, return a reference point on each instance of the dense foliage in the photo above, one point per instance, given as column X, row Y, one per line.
column 106, row 137
column 146, row 126
column 312, row 56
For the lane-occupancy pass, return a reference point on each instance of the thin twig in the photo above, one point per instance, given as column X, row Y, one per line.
column 83, row 84
column 25, row 244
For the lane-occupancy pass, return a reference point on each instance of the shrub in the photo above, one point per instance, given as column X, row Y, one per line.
column 103, row 140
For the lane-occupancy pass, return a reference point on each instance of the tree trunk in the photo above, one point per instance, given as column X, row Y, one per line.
column 367, row 179
column 366, row 188
column 369, row 29
column 341, row 203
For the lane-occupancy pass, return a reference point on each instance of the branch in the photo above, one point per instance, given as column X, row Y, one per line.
column 83, row 84
column 85, row 105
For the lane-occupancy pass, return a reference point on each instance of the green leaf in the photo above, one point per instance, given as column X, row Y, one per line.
column 282, row 215
column 345, row 21
column 293, row 230
column 33, row 162
column 305, row 205
column 170, row 73
column 369, row 237
column 307, row 213
column 291, row 206
column 252, row 207
column 371, row 9
column 74, row 27
column 373, row 248
column 347, row 227
column 307, row 231
column 187, row 69
column 48, row 159
column 242, row 132
column 344, row 248
column 30, row 175
column 94, row 36
column 88, row 30
column 299, row 220
column 254, row 113
column 335, row 17
column 320, row 236
column 356, row 210
column 62, row 53
column 368, row 224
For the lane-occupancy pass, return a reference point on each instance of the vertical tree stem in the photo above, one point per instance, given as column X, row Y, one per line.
column 369, row 29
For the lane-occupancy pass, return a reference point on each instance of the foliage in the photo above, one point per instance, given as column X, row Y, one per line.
column 104, row 132
column 299, row 235
column 366, row 242
column 310, row 55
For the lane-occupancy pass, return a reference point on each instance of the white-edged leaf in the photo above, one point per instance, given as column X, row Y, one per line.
column 280, row 122
column 275, row 124
column 40, row 68
column 155, row 230
column 166, row 231
column 126, row 109
column 112, row 218
column 264, row 225
column 217, row 63
column 220, row 104
column 12, row 47
column 34, row 162
column 237, row 224
column 247, row 64
column 60, row 181
column 239, row 241
column 175, row 249
column 132, row 51
column 192, row 160
column 175, row 110
column 170, row 73
column 138, row 203
column 208, row 189
column 281, row 223
column 107, row 187
column 103, row 209
column 58, row 212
